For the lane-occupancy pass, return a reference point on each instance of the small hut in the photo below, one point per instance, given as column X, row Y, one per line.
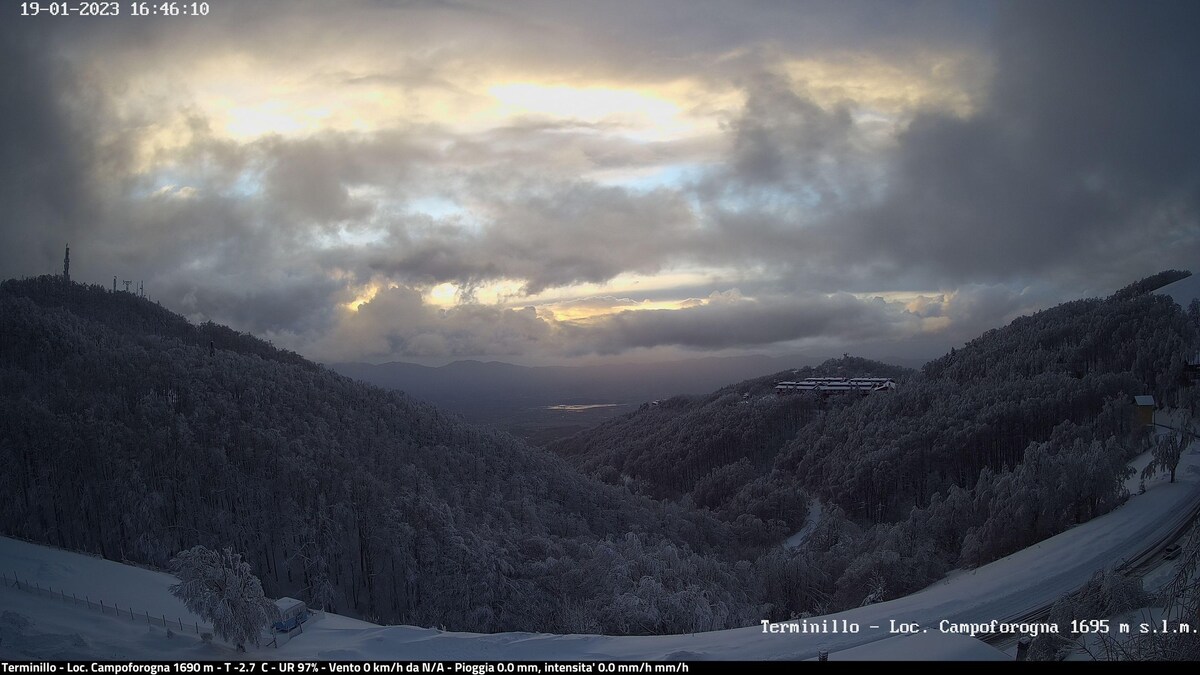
column 1145, row 409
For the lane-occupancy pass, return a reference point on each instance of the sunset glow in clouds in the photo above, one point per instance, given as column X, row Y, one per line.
column 543, row 181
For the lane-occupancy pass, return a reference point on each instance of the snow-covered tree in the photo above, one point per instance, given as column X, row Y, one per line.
column 1166, row 456
column 219, row 586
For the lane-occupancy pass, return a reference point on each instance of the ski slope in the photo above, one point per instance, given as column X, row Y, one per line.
column 36, row 628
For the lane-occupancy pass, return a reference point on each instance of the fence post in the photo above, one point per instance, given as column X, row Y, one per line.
column 147, row 617
column 88, row 601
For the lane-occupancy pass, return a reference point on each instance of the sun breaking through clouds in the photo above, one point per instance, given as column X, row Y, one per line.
column 543, row 181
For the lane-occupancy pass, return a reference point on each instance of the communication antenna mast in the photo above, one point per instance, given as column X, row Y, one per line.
column 126, row 282
column 67, row 265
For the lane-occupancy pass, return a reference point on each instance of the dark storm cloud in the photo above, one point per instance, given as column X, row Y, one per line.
column 46, row 157
column 307, row 180
column 294, row 306
column 783, row 138
column 1084, row 162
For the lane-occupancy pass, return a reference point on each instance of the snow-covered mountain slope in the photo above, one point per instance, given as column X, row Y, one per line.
column 35, row 627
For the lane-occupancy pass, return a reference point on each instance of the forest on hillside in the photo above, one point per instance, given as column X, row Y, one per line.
column 122, row 435
column 129, row 432
column 1016, row 436
column 717, row 449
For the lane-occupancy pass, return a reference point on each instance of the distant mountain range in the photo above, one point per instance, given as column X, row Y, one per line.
column 518, row 399
column 464, row 383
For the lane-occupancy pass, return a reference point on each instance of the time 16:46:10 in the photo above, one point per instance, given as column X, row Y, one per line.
column 114, row 8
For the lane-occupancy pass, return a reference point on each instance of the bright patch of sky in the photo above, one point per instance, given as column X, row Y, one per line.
column 438, row 208
column 641, row 115
column 667, row 176
column 350, row 236
column 248, row 183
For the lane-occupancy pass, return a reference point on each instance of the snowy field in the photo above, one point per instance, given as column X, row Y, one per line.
column 33, row 627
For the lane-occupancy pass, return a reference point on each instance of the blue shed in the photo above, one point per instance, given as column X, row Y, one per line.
column 292, row 613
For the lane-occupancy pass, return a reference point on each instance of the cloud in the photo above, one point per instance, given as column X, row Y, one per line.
column 46, row 160
column 544, row 232
column 782, row 137
column 729, row 320
column 979, row 160
column 1082, row 164
column 308, row 180
column 397, row 321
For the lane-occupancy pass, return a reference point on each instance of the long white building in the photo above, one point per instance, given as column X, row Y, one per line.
column 837, row 385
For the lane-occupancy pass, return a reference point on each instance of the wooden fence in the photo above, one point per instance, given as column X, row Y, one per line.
column 113, row 609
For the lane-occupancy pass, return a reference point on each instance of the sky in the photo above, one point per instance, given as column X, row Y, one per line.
column 557, row 181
